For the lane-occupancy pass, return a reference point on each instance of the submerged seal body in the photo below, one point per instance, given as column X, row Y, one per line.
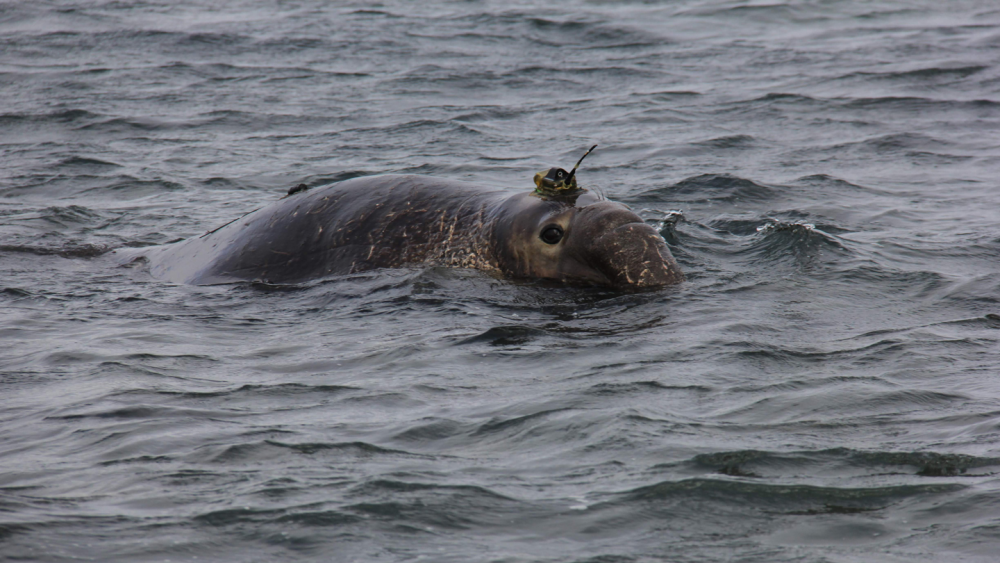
column 397, row 220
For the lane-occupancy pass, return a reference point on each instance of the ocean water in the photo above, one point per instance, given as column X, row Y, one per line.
column 825, row 387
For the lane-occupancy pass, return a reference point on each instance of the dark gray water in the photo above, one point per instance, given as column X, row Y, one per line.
column 824, row 387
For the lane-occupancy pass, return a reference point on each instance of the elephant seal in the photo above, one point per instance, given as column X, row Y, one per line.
column 558, row 231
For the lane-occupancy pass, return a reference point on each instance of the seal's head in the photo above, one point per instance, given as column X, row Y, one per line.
column 572, row 235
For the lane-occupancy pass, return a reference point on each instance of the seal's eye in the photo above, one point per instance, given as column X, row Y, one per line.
column 552, row 234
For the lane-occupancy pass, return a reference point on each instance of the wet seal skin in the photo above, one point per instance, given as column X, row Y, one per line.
column 558, row 231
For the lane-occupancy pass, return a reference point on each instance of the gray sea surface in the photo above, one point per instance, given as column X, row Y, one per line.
column 825, row 387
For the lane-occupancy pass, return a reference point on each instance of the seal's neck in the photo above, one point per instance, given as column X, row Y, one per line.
column 464, row 235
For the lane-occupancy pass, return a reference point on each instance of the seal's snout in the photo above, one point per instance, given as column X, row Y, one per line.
column 634, row 255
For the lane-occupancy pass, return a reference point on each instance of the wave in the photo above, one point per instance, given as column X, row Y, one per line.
column 783, row 498
column 906, row 103
column 730, row 142
column 912, row 104
column 589, row 34
column 909, row 144
column 760, row 244
column 760, row 464
column 270, row 449
column 455, row 507
column 921, row 75
column 85, row 164
column 707, row 188
column 837, row 187
column 784, row 239
column 142, row 412
column 248, row 391
column 510, row 335
column 72, row 251
column 643, row 388
column 60, row 117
